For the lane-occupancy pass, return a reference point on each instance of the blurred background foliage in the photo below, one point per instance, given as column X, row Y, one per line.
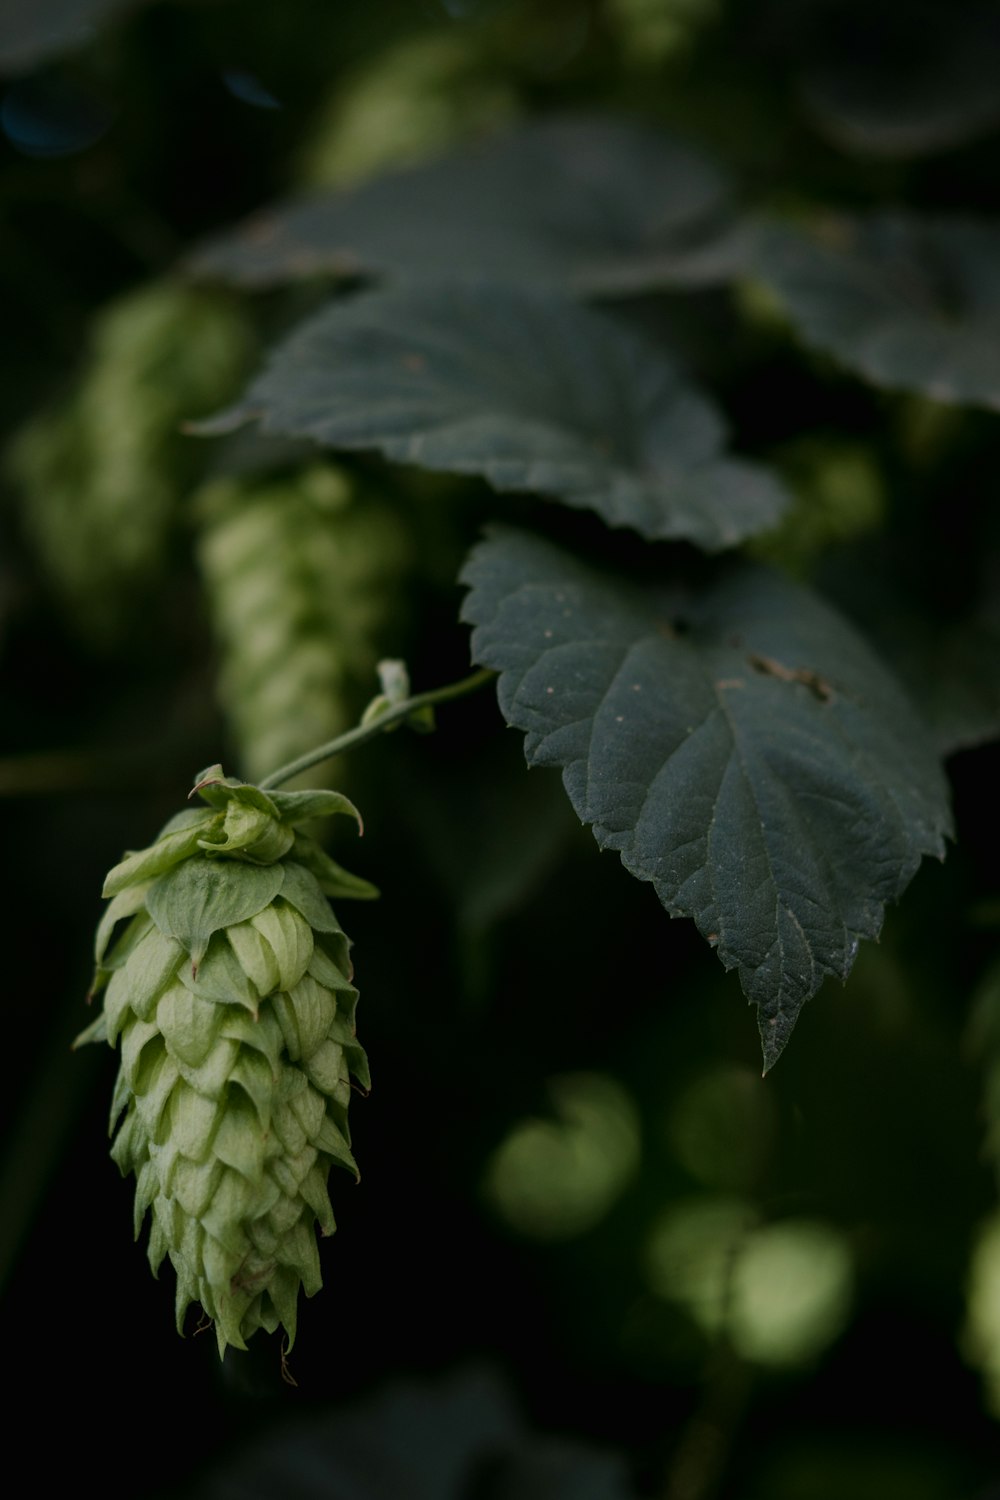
column 593, row 1255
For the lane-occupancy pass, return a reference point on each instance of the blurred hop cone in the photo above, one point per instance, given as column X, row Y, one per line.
column 229, row 989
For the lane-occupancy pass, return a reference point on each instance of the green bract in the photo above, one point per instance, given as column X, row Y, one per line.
column 229, row 990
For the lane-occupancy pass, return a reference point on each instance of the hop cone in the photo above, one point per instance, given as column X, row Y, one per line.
column 228, row 989
column 101, row 473
column 303, row 575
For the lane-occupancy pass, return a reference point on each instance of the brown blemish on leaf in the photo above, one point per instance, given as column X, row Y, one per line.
column 261, row 231
column 837, row 232
column 303, row 262
column 343, row 263
column 769, row 667
column 415, row 363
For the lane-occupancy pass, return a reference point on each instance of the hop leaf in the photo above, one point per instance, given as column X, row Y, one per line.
column 228, row 992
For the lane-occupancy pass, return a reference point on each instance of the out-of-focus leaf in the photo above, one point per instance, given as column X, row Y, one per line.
column 950, row 667
column 652, row 33
column 417, row 97
column 741, row 748
column 957, row 679
column 32, row 31
column 838, row 492
column 908, row 303
column 721, row 1128
column 984, row 1043
column 556, row 1175
column 52, row 116
column 592, row 203
column 493, row 836
column 867, row 1465
column 459, row 1440
column 526, row 388
column 903, row 81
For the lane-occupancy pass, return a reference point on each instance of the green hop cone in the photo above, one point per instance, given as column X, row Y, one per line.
column 229, row 991
column 304, row 574
column 100, row 474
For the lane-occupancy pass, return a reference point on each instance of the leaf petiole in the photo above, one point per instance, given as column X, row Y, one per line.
column 364, row 731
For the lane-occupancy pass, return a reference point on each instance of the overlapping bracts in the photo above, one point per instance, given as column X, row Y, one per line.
column 228, row 992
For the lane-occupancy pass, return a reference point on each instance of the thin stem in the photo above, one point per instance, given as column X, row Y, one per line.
column 699, row 1461
column 386, row 720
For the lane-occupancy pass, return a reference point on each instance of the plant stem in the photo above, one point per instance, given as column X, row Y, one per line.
column 386, row 720
column 699, row 1461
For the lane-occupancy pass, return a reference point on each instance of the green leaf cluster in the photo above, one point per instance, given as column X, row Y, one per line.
column 731, row 736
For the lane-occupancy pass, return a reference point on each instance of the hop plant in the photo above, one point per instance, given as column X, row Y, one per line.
column 100, row 474
column 417, row 98
column 303, row 576
column 229, row 994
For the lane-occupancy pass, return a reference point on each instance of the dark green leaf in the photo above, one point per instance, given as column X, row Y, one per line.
column 949, row 666
column 493, row 836
column 32, row 31
column 954, row 673
column 529, row 390
column 742, row 749
column 597, row 204
column 459, row 1439
column 908, row 303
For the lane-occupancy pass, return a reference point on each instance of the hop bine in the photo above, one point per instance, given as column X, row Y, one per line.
column 229, row 991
